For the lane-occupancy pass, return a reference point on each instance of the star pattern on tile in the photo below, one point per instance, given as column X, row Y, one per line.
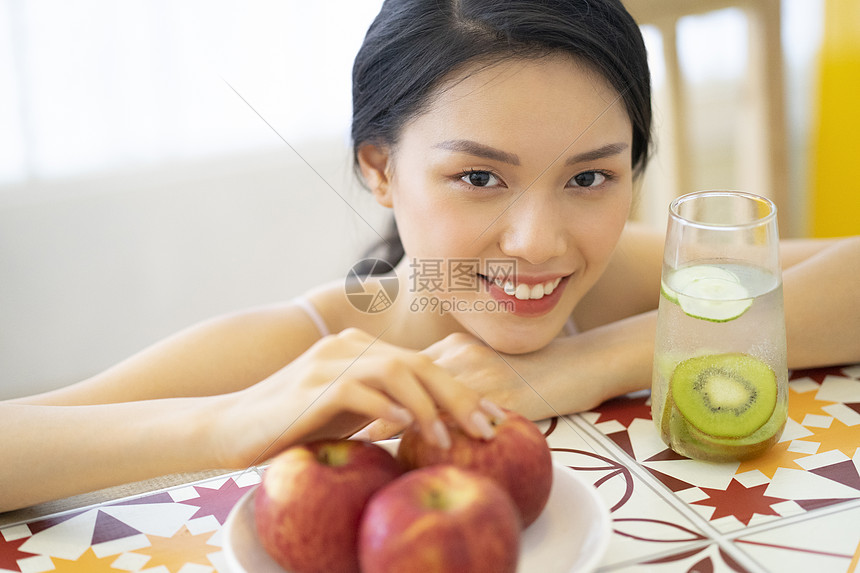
column 843, row 472
column 174, row 552
column 217, row 502
column 622, row 440
column 108, row 528
column 624, row 410
column 740, row 501
column 817, row 374
column 86, row 563
column 10, row 553
column 810, row 504
column 194, row 544
column 671, row 482
column 802, row 403
column 49, row 522
column 837, row 436
column 777, row 457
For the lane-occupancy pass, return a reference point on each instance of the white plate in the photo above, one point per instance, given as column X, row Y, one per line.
column 570, row 536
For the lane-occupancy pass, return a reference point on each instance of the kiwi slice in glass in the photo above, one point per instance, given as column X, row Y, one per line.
column 725, row 395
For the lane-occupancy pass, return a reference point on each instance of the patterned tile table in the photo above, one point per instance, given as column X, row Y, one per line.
column 797, row 508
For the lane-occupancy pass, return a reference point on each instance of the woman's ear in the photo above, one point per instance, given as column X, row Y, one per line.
column 375, row 164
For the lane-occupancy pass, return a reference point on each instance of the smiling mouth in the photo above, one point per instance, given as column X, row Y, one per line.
column 523, row 291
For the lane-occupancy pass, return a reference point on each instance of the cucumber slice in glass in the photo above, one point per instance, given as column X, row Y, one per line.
column 707, row 292
column 713, row 299
column 681, row 278
column 667, row 291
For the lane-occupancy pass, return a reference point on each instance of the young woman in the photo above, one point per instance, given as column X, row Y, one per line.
column 505, row 136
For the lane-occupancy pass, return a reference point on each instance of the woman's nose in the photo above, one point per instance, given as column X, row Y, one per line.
column 533, row 229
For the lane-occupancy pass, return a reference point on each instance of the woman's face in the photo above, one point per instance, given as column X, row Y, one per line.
column 519, row 172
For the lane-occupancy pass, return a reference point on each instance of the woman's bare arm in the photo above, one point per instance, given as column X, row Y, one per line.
column 220, row 355
column 50, row 452
column 822, row 304
column 136, row 420
column 54, row 445
column 614, row 355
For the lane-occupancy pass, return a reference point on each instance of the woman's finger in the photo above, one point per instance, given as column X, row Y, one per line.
column 472, row 412
column 449, row 343
column 355, row 396
column 341, row 408
column 414, row 382
column 396, row 376
column 379, row 429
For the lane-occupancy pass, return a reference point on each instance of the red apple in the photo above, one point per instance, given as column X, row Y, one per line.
column 440, row 519
column 518, row 458
column 310, row 502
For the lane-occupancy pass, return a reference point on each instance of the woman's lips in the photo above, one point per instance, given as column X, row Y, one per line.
column 542, row 304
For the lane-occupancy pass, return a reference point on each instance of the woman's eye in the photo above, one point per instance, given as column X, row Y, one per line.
column 480, row 178
column 589, row 179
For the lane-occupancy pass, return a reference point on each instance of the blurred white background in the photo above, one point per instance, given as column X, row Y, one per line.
column 139, row 193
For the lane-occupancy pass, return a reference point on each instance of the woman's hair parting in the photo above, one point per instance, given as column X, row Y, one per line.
column 413, row 45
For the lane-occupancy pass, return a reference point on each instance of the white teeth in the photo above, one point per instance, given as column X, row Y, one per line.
column 525, row 292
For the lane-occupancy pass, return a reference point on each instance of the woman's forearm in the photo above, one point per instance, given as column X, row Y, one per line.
column 50, row 452
column 577, row 373
column 822, row 310
column 822, row 313
column 822, row 307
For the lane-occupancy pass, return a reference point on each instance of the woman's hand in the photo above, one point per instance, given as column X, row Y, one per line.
column 519, row 382
column 538, row 385
column 334, row 389
column 570, row 374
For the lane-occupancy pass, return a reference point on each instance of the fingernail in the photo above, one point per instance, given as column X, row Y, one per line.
column 400, row 415
column 482, row 424
column 493, row 410
column 440, row 433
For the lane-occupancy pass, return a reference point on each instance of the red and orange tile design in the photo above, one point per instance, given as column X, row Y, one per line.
column 797, row 508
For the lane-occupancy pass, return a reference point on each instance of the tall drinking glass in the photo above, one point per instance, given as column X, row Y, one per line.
column 719, row 388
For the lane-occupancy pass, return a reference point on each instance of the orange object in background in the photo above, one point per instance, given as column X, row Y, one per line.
column 835, row 168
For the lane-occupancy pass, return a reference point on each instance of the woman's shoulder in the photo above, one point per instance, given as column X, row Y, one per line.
column 638, row 260
column 340, row 305
column 631, row 283
column 637, row 232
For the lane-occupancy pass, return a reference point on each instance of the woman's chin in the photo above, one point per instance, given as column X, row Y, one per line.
column 511, row 334
column 510, row 342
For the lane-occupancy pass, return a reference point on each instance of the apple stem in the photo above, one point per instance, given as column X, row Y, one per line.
column 437, row 499
column 332, row 457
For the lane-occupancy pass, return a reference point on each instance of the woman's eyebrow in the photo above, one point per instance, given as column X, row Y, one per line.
column 479, row 150
column 599, row 153
column 487, row 152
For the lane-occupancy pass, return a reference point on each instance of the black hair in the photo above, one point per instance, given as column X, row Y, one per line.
column 413, row 45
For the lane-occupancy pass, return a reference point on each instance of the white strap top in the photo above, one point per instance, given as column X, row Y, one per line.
column 313, row 314
column 569, row 328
